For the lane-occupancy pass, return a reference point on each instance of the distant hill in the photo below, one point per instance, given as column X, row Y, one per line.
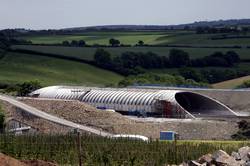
column 218, row 23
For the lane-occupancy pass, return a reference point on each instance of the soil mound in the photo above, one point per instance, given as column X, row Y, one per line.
column 38, row 163
column 9, row 161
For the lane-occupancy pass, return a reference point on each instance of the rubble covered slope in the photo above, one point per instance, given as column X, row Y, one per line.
column 116, row 123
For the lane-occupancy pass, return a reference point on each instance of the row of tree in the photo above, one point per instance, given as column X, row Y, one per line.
column 212, row 75
column 212, row 30
column 74, row 43
column 217, row 59
column 135, row 62
column 164, row 80
column 6, row 41
column 112, row 42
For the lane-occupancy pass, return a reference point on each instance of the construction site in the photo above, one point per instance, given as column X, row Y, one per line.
column 193, row 114
column 142, row 102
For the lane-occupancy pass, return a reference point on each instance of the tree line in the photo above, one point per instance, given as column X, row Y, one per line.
column 213, row 30
column 212, row 75
column 162, row 80
column 135, row 62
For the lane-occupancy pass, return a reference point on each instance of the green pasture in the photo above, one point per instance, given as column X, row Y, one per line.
column 17, row 68
column 150, row 37
column 201, row 40
column 87, row 53
column 99, row 37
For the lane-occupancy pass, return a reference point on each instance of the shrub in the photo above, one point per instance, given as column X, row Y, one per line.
column 2, row 120
column 245, row 84
column 27, row 87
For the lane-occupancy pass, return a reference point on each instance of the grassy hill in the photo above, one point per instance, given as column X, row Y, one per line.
column 17, row 68
column 88, row 52
column 79, row 73
column 230, row 84
column 99, row 37
column 166, row 37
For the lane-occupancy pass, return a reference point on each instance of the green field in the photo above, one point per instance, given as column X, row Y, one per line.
column 200, row 39
column 100, row 37
column 149, row 37
column 230, row 84
column 166, row 37
column 17, row 68
column 241, row 66
column 87, row 53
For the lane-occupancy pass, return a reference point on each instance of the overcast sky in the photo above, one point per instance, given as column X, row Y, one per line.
column 50, row 14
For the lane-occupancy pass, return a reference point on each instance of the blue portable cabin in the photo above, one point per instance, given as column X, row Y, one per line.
column 168, row 135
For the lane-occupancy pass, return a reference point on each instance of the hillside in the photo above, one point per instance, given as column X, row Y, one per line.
column 98, row 37
column 230, row 84
column 87, row 53
column 174, row 37
column 17, row 68
column 215, row 23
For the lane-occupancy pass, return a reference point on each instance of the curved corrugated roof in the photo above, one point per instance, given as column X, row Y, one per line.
column 136, row 99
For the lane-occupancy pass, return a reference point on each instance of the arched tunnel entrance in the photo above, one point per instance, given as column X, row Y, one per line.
column 202, row 106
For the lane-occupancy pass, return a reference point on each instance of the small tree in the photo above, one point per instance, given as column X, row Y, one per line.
column 65, row 43
column 82, row 43
column 103, row 58
column 234, row 56
column 74, row 43
column 140, row 43
column 114, row 42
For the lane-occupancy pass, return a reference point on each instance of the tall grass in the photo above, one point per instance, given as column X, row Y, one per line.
column 105, row 151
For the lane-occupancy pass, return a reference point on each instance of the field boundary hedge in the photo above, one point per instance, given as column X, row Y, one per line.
column 75, row 59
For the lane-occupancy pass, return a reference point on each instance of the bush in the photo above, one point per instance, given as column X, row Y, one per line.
column 178, row 58
column 103, row 59
column 244, row 131
column 165, row 80
column 27, row 87
column 2, row 120
column 245, row 84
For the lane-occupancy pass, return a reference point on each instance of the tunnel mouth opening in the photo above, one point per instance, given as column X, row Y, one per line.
column 202, row 106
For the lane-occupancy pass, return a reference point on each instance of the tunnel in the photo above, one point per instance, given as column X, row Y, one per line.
column 176, row 103
column 202, row 106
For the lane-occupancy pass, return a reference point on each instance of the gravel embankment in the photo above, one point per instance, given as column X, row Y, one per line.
column 81, row 113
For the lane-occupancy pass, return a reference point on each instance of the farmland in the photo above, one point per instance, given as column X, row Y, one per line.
column 100, row 37
column 18, row 67
column 159, row 42
column 164, row 37
column 87, row 53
